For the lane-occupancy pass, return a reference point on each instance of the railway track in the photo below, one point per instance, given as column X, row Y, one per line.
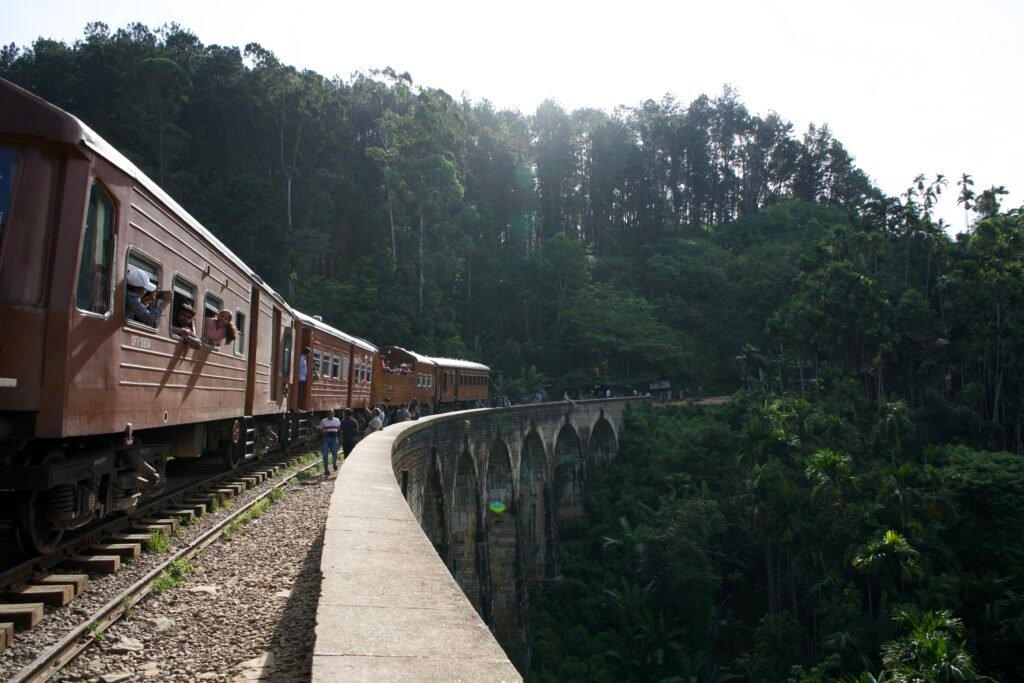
column 217, row 490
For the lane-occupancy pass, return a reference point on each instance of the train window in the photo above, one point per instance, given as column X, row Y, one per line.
column 93, row 294
column 369, row 372
column 286, row 354
column 345, row 364
column 316, row 362
column 151, row 268
column 8, row 172
column 336, row 367
column 184, row 293
column 240, row 337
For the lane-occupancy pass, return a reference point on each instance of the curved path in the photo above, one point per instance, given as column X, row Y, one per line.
column 389, row 608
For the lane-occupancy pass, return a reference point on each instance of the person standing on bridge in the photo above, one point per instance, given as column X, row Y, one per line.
column 329, row 427
column 349, row 434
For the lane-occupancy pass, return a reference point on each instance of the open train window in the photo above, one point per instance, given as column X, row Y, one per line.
column 336, row 367
column 286, row 354
column 368, row 371
column 316, row 362
column 93, row 292
column 212, row 305
column 151, row 268
column 240, row 337
column 183, row 302
column 8, row 174
column 326, row 361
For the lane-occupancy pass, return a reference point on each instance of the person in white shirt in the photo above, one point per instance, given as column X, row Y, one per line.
column 329, row 427
column 376, row 422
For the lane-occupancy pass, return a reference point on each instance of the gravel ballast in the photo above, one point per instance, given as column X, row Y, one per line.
column 245, row 612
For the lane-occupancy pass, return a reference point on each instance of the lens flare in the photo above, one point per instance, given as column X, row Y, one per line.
column 497, row 507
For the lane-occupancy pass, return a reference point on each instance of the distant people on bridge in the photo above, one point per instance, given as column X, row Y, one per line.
column 401, row 415
column 414, row 409
column 349, row 434
column 329, row 427
column 141, row 301
column 219, row 329
column 384, row 415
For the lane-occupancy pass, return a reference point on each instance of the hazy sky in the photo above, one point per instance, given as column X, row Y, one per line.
column 908, row 86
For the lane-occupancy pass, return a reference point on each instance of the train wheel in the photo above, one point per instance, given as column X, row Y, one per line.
column 34, row 534
column 236, row 451
column 33, row 531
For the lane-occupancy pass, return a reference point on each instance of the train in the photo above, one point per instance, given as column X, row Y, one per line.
column 94, row 400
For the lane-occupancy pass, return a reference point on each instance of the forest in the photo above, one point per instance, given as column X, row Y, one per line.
column 854, row 511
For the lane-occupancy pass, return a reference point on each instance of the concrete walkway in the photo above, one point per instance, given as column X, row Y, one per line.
column 389, row 609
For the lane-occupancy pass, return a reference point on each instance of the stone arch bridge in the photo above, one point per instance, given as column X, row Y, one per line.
column 436, row 530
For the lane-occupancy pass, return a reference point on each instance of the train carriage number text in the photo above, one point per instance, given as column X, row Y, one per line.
column 141, row 342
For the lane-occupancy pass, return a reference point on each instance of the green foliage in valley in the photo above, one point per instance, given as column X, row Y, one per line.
column 778, row 539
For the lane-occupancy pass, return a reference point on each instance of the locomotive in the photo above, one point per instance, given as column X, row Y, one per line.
column 94, row 403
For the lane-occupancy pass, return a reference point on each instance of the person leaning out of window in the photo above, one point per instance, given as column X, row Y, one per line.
column 142, row 302
column 219, row 329
column 185, row 326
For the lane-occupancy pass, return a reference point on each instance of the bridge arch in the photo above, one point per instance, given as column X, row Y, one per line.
column 532, row 505
column 568, row 477
column 604, row 443
column 465, row 527
column 500, row 515
column 433, row 507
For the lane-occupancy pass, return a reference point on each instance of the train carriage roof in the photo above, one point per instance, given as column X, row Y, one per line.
column 443, row 362
column 324, row 327
column 460, row 364
column 418, row 357
column 49, row 120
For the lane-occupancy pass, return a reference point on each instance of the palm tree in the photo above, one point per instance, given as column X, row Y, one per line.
column 534, row 381
column 931, row 649
column 887, row 556
column 828, row 472
column 893, row 420
column 966, row 196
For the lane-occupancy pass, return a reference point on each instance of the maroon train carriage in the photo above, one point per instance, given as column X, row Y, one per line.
column 93, row 404
column 340, row 367
column 402, row 376
column 461, row 383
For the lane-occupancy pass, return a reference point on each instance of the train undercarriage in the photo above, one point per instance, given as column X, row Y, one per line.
column 48, row 487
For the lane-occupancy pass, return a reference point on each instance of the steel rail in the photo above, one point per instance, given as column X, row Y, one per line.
column 85, row 633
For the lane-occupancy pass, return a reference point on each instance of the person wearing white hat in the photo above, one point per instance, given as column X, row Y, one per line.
column 136, row 306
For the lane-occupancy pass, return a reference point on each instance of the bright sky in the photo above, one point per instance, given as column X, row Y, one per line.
column 908, row 86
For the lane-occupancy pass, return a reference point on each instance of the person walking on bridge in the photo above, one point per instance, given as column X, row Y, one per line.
column 329, row 427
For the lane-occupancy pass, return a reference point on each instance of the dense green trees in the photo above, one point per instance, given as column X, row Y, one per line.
column 406, row 216
column 846, row 515
column 731, row 543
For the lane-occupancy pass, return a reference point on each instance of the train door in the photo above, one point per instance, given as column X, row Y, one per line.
column 254, row 335
column 275, row 357
column 286, row 364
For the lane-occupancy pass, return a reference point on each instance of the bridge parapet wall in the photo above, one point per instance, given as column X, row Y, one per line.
column 435, row 528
